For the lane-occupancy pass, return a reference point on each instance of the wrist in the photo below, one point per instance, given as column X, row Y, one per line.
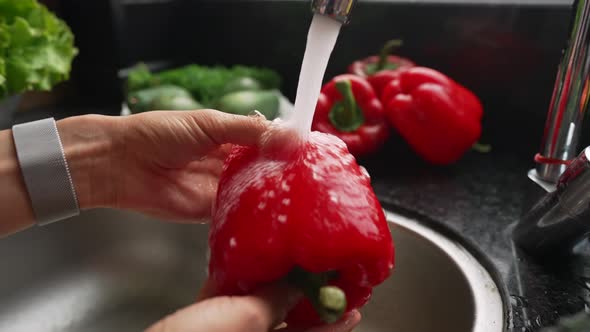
column 17, row 212
column 89, row 143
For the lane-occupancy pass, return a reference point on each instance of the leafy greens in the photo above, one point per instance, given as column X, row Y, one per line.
column 204, row 83
column 36, row 47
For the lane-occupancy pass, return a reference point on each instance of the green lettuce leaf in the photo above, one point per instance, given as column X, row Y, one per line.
column 36, row 48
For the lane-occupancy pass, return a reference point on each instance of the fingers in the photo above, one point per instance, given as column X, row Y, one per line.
column 223, row 128
column 221, row 152
column 259, row 312
column 277, row 301
column 173, row 138
column 346, row 324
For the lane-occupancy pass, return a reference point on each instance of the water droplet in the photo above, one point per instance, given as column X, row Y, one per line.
column 285, row 186
column 282, row 218
column 584, row 282
column 232, row 242
column 333, row 196
column 286, row 201
column 261, row 205
column 256, row 114
column 518, row 301
column 271, row 194
column 315, row 175
column 527, row 325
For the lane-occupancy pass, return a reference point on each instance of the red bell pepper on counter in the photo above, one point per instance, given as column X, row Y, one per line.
column 300, row 210
column 379, row 80
column 438, row 117
column 349, row 108
column 384, row 61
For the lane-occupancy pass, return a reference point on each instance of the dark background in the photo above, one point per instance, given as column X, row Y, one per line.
column 506, row 51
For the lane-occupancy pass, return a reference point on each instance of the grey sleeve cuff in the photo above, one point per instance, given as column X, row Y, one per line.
column 45, row 171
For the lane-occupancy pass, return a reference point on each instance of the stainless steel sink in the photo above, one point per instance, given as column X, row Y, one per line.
column 117, row 271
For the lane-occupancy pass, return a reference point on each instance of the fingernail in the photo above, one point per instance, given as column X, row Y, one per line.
column 351, row 321
column 256, row 114
column 281, row 326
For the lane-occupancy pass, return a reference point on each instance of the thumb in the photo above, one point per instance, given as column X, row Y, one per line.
column 346, row 324
column 258, row 312
column 179, row 137
column 221, row 128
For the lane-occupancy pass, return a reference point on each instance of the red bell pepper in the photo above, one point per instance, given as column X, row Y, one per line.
column 380, row 79
column 301, row 210
column 439, row 118
column 384, row 61
column 348, row 108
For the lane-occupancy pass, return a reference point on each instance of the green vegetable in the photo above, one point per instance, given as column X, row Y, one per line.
column 242, row 84
column 36, row 48
column 165, row 97
column 245, row 102
column 175, row 103
column 206, row 84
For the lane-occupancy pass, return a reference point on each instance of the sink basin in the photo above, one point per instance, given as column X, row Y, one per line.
column 108, row 270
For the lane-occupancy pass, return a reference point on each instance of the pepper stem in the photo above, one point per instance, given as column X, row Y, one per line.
column 385, row 51
column 328, row 301
column 346, row 115
column 333, row 300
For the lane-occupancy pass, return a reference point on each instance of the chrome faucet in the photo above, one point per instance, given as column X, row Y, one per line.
column 561, row 217
column 336, row 9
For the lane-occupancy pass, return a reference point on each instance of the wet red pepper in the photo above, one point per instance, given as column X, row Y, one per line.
column 371, row 65
column 439, row 118
column 349, row 108
column 301, row 210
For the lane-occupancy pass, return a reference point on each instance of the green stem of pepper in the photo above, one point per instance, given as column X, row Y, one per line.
column 346, row 115
column 385, row 51
column 328, row 301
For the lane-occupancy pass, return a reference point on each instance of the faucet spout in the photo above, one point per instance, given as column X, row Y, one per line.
column 336, row 9
column 569, row 101
column 559, row 219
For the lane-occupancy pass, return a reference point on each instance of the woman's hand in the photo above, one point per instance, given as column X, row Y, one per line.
column 259, row 312
column 165, row 164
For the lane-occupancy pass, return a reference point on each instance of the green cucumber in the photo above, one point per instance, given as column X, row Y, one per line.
column 245, row 102
column 241, row 84
column 160, row 97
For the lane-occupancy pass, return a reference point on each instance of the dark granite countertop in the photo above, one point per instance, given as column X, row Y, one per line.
column 479, row 199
